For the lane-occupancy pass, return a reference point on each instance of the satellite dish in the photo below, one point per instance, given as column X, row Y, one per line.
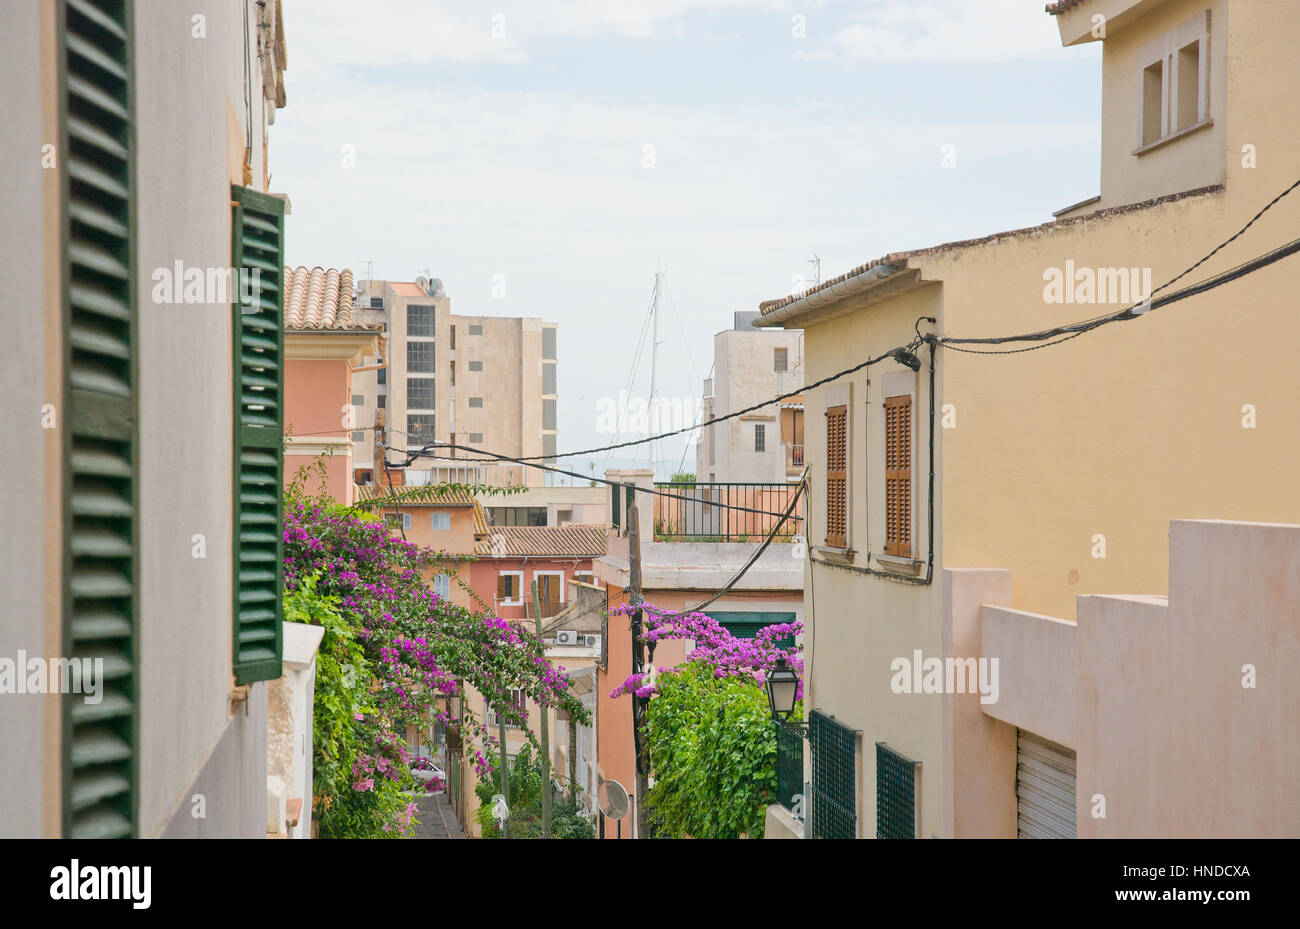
column 435, row 287
column 612, row 798
column 422, row 282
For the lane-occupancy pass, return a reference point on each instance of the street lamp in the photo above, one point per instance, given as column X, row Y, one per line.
column 782, row 686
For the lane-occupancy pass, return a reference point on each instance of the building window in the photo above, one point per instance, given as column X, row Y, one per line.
column 548, row 445
column 780, row 359
column 419, row 319
column 358, row 435
column 442, row 585
column 420, row 393
column 585, row 577
column 453, row 374
column 518, row 703
column 837, row 483
column 382, row 401
column 476, row 402
column 898, row 476
column 420, row 427
column 476, row 366
column 441, row 521
column 419, row 357
column 548, row 379
column 1174, row 81
column 760, row 438
column 548, row 342
column 376, row 303
column 453, row 338
column 358, row 399
column 397, row 520
column 476, row 438
column 509, row 587
column 383, row 375
column 548, row 414
column 515, row 515
column 475, row 329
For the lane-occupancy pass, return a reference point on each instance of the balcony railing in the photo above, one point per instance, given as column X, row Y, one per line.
column 796, row 456
column 724, row 512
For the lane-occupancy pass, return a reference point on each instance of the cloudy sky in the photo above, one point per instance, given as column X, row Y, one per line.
column 568, row 148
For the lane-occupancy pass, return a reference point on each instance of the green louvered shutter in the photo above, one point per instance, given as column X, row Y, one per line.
column 99, row 416
column 258, row 239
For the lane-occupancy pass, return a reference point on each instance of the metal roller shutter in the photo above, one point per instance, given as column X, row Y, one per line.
column 1045, row 779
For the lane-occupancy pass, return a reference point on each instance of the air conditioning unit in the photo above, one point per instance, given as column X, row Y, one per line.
column 566, row 637
column 591, row 641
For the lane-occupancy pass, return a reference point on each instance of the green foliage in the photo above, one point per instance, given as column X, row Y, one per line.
column 682, row 477
column 346, row 728
column 714, row 752
column 525, row 821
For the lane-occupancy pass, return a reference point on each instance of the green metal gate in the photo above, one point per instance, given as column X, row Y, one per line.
column 897, row 812
column 834, row 778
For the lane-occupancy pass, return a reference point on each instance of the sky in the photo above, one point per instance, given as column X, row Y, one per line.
column 546, row 157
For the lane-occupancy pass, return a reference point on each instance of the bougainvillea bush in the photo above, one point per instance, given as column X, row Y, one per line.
column 709, row 730
column 392, row 648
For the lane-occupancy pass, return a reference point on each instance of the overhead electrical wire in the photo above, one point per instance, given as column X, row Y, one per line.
column 427, row 451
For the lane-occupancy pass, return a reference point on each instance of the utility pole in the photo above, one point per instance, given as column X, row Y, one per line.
column 638, row 665
column 544, row 711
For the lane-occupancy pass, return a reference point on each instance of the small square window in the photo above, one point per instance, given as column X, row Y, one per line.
column 476, row 438
column 358, row 399
column 358, row 435
column 780, row 359
column 397, row 520
column 476, row 366
column 476, row 402
column 475, row 329
column 442, row 585
column 441, row 521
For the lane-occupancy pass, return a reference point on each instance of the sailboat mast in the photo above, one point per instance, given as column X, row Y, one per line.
column 654, row 371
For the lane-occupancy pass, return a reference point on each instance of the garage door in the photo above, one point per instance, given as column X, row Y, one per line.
column 1044, row 788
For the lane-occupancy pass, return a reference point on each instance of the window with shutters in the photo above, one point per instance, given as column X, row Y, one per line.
column 509, row 585
column 760, row 438
column 258, row 244
column 837, row 476
column 898, row 476
column 780, row 359
column 100, row 744
column 442, row 585
column 441, row 521
column 833, row 747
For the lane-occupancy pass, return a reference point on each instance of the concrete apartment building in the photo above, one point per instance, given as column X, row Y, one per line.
column 1110, row 519
column 482, row 381
column 144, row 442
column 767, row 444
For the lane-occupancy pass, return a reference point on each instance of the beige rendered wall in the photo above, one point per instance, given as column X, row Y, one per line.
column 1197, row 160
column 859, row 624
column 1124, row 429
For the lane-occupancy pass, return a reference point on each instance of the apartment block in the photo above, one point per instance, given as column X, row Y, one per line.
column 767, row 444
column 486, row 382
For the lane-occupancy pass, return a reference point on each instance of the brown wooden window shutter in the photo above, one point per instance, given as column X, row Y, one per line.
column 503, row 587
column 837, row 476
column 898, row 476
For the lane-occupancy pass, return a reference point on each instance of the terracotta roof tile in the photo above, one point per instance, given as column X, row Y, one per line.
column 573, row 541
column 318, row 299
column 454, row 497
column 1057, row 7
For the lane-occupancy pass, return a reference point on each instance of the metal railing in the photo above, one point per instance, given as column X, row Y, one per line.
column 796, row 456
column 706, row 512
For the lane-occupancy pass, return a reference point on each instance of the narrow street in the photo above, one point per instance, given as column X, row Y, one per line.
column 437, row 819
